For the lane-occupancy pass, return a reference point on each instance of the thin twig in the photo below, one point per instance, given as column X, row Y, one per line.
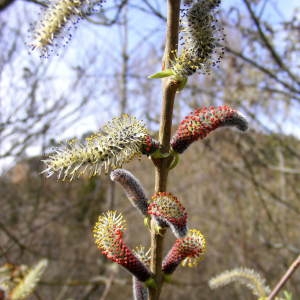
column 263, row 69
column 285, row 278
column 109, row 282
column 276, row 57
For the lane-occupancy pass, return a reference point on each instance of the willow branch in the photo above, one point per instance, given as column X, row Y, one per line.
column 162, row 165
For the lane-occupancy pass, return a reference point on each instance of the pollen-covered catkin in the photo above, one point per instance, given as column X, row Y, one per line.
column 120, row 141
column 27, row 285
column 167, row 210
column 56, row 23
column 188, row 251
column 248, row 277
column 201, row 36
column 108, row 232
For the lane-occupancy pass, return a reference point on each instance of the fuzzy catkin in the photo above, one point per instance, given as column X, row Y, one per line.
column 188, row 251
column 201, row 35
column 108, row 232
column 28, row 284
column 133, row 189
column 120, row 141
column 247, row 277
column 56, row 23
column 167, row 210
column 140, row 291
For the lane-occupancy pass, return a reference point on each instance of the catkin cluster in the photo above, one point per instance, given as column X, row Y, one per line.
column 201, row 36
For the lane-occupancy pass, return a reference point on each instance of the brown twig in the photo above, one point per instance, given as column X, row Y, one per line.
column 285, row 278
column 162, row 165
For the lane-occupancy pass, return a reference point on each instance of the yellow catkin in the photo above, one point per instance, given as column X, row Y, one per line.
column 244, row 276
column 120, row 141
column 53, row 21
column 195, row 239
column 28, row 284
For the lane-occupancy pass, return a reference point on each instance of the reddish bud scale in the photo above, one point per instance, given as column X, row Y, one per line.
column 198, row 124
column 188, row 250
column 168, row 211
column 149, row 146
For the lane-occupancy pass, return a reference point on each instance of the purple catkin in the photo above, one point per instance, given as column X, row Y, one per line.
column 133, row 189
column 201, row 35
column 140, row 292
column 198, row 124
column 187, row 251
column 168, row 211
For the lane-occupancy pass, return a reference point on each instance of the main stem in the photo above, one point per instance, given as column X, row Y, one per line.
column 162, row 165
